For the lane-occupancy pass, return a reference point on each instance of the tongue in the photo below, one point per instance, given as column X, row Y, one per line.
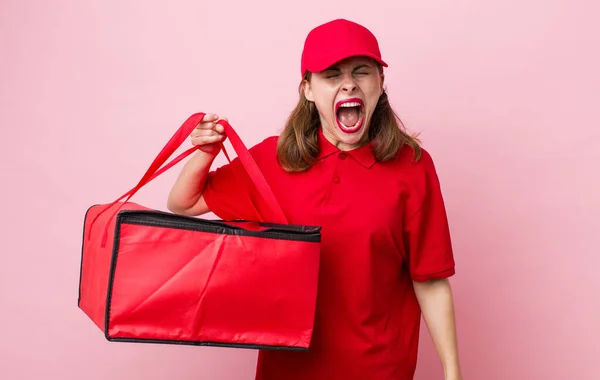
column 348, row 116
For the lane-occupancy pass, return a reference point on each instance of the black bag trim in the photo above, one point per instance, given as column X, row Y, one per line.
column 309, row 234
column 208, row 344
column 82, row 251
column 124, row 217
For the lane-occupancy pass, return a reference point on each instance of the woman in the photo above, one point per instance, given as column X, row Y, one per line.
column 343, row 162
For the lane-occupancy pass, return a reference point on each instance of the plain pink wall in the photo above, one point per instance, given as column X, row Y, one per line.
column 505, row 93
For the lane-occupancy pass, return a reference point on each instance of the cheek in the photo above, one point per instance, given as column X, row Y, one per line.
column 375, row 88
column 324, row 103
column 373, row 92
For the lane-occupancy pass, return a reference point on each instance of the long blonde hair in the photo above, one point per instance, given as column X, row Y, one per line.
column 298, row 147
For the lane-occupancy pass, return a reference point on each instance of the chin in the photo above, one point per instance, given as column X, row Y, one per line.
column 348, row 141
column 351, row 138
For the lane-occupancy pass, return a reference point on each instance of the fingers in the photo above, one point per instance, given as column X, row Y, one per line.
column 208, row 131
column 199, row 132
column 207, row 126
column 213, row 126
column 208, row 121
column 219, row 127
column 206, row 136
column 205, row 140
column 210, row 117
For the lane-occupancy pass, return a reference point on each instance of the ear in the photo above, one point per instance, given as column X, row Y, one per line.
column 382, row 83
column 308, row 91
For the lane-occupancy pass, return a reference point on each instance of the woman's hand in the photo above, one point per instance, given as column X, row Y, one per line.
column 208, row 135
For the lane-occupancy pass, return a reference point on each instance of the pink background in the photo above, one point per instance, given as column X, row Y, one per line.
column 505, row 93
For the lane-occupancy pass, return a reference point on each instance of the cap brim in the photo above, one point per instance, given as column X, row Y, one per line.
column 327, row 64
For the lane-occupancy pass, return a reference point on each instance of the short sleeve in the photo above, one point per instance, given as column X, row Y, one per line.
column 426, row 232
column 229, row 191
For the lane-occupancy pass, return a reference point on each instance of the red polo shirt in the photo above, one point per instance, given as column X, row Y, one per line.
column 383, row 224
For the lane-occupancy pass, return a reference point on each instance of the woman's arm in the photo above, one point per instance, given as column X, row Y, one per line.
column 437, row 307
column 186, row 195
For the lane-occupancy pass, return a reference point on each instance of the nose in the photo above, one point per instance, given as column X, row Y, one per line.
column 348, row 85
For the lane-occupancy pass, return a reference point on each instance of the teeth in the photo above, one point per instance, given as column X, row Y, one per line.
column 350, row 104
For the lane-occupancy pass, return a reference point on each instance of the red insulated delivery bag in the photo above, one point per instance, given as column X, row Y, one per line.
column 157, row 277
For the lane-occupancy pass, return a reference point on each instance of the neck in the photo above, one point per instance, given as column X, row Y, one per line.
column 342, row 145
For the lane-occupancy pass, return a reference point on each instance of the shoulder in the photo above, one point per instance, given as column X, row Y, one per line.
column 410, row 161
column 264, row 154
column 265, row 146
column 416, row 173
column 265, row 150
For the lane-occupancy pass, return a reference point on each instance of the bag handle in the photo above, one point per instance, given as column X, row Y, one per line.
column 274, row 212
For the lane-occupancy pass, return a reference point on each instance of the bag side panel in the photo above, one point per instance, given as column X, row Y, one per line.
column 95, row 261
column 188, row 286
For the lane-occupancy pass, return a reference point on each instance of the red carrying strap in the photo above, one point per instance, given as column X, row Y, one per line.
column 273, row 214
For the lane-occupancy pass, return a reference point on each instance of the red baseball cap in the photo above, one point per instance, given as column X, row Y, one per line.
column 336, row 40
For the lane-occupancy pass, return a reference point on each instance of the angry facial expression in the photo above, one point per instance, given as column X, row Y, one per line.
column 345, row 96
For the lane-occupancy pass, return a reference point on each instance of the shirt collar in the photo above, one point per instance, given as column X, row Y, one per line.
column 363, row 155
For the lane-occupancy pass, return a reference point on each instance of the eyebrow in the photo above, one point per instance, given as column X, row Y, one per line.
column 335, row 68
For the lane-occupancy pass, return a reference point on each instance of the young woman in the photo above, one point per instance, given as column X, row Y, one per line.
column 343, row 162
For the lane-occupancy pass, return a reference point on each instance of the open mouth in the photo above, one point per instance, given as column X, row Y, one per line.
column 350, row 114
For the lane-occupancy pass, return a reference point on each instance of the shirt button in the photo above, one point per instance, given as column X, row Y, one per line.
column 336, row 179
column 342, row 156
